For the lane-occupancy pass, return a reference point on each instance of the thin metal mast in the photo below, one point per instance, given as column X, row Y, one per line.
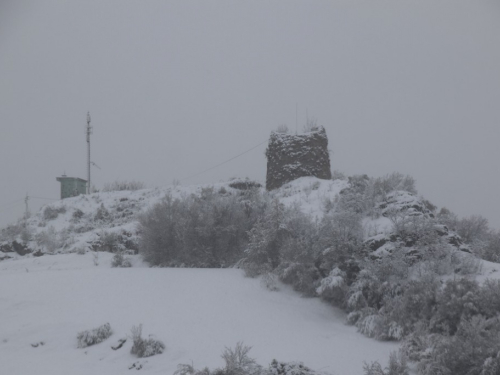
column 89, row 131
column 27, row 212
column 296, row 116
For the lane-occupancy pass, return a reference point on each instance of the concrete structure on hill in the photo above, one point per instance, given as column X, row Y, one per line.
column 290, row 156
column 72, row 186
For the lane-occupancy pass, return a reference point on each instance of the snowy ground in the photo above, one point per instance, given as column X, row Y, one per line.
column 195, row 312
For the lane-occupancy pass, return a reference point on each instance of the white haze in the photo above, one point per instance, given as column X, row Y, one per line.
column 177, row 87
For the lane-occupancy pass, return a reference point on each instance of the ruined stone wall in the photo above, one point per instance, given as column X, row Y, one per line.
column 292, row 156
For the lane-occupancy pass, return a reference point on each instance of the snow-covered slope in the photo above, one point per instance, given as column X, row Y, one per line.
column 83, row 222
column 195, row 312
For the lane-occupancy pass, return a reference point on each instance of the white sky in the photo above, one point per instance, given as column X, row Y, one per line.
column 175, row 87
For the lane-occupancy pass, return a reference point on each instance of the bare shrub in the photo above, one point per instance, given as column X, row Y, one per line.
column 378, row 188
column 269, row 281
column 94, row 336
column 188, row 369
column 397, row 366
column 48, row 239
column 102, row 214
column 80, row 250
column 26, row 234
column 245, row 184
column 109, row 241
column 283, row 129
column 289, row 368
column 123, row 185
column 472, row 228
column 145, row 347
column 11, row 232
column 338, row 175
column 95, row 258
column 238, row 362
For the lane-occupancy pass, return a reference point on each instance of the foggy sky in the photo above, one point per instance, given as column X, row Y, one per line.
column 175, row 87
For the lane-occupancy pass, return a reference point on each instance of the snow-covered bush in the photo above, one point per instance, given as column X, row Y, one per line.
column 393, row 182
column 472, row 350
column 94, row 336
column 102, row 214
column 109, row 241
column 266, row 240
column 339, row 244
column 26, row 234
column 488, row 247
column 289, row 368
column 333, row 288
column 77, row 215
column 51, row 213
column 80, row 250
column 120, row 261
column 473, row 228
column 238, row 362
column 11, row 232
column 459, row 300
column 355, row 199
column 48, row 239
column 298, row 253
column 209, row 230
column 188, row 369
column 397, row 366
column 145, row 347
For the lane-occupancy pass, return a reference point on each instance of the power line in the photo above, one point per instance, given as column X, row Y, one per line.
column 48, row 199
column 224, row 162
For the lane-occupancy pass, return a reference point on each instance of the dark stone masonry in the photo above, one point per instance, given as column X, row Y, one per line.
column 292, row 156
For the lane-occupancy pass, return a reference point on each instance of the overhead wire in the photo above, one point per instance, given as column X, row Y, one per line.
column 48, row 199
column 224, row 162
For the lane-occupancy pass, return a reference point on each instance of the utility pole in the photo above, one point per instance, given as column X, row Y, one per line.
column 296, row 116
column 27, row 213
column 89, row 131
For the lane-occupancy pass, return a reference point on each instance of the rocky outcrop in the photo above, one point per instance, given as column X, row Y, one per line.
column 400, row 201
column 383, row 244
column 14, row 246
column 292, row 156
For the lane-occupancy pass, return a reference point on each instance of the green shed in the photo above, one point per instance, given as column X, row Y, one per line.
column 72, row 186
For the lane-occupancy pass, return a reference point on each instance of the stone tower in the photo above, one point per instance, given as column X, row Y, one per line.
column 292, row 156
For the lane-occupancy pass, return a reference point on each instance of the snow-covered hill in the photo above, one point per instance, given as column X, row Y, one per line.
column 84, row 222
column 56, row 281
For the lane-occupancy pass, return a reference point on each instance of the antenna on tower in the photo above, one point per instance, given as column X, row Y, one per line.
column 88, row 132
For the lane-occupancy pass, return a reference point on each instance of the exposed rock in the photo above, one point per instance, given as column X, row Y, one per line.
column 375, row 242
column 38, row 253
column 21, row 249
column 403, row 201
column 382, row 244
